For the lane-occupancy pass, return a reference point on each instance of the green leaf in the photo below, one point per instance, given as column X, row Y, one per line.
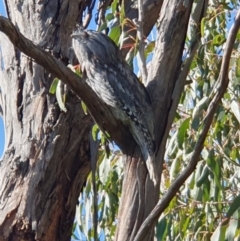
column 203, row 177
column 109, row 17
column 95, row 131
column 87, row 218
column 175, row 168
column 104, row 170
column 219, row 234
column 233, row 153
column 115, row 183
column 235, row 108
column 238, row 67
column 234, row 206
column 161, row 228
column 122, row 13
column 191, row 181
column 232, row 227
column 78, row 215
column 100, row 216
column 115, row 34
column 84, row 107
column 149, row 48
column 197, row 192
column 53, row 86
column 60, row 98
column 218, row 40
column 202, row 26
column 73, row 229
column 182, row 132
column 201, row 105
column 195, row 123
column 88, row 188
column 114, row 5
column 78, row 72
column 102, row 27
column 221, row 116
column 215, row 166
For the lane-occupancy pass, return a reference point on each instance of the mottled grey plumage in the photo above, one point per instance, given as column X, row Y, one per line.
column 111, row 78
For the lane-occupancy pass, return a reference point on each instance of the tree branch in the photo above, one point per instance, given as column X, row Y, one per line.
column 101, row 10
column 197, row 15
column 142, row 61
column 151, row 9
column 102, row 115
column 223, row 83
column 94, row 146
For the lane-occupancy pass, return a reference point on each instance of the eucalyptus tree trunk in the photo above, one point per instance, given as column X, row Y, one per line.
column 46, row 158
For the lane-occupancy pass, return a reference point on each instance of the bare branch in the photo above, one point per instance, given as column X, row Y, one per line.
column 223, row 83
column 101, row 10
column 88, row 17
column 94, row 144
column 151, row 9
column 141, row 44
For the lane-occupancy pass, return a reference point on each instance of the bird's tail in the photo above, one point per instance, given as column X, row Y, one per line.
column 152, row 169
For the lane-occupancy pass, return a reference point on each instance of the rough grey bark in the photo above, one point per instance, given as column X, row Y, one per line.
column 46, row 161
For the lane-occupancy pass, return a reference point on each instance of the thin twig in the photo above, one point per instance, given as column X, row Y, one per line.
column 141, row 44
column 101, row 10
column 94, row 153
column 88, row 16
column 223, row 84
